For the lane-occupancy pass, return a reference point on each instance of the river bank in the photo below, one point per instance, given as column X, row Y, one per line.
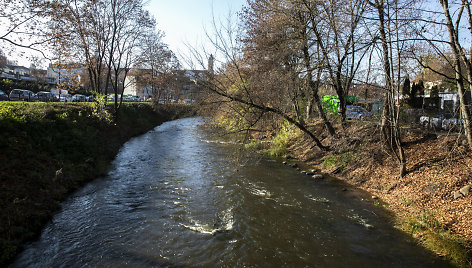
column 181, row 196
column 49, row 150
column 427, row 202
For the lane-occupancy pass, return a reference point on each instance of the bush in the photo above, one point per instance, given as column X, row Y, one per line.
column 278, row 145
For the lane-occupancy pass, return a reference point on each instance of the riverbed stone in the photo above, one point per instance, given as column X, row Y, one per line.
column 375, row 197
column 465, row 190
column 310, row 173
column 456, row 195
column 318, row 176
column 294, row 165
column 284, row 162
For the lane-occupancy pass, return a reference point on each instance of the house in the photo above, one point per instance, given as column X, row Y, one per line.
column 137, row 84
column 15, row 72
column 178, row 85
column 447, row 101
column 65, row 74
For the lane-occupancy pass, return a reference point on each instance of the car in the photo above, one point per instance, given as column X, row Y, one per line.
column 45, row 96
column 3, row 96
column 356, row 112
column 452, row 124
column 90, row 98
column 65, row 98
column 22, row 95
column 131, row 99
column 434, row 122
column 79, row 98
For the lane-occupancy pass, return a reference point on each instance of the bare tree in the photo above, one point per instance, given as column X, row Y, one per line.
column 236, row 81
column 21, row 22
column 103, row 34
column 158, row 62
column 460, row 56
column 392, row 16
column 279, row 39
column 129, row 23
column 336, row 27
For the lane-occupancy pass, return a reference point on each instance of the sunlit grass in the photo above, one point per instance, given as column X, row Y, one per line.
column 428, row 229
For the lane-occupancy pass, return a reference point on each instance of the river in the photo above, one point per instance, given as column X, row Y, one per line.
column 178, row 196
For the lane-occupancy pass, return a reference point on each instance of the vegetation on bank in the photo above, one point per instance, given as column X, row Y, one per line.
column 48, row 150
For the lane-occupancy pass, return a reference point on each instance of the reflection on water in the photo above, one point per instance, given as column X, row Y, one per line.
column 176, row 197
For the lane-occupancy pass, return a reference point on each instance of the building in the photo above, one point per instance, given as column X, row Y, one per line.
column 14, row 72
column 65, row 74
column 179, row 85
column 447, row 101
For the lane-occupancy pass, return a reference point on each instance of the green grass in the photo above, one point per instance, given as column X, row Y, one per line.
column 432, row 234
column 340, row 161
column 278, row 145
column 39, row 139
column 254, row 145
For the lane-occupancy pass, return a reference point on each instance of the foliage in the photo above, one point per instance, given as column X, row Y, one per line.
column 340, row 161
column 6, row 85
column 254, row 145
column 99, row 108
column 278, row 145
column 406, row 88
column 416, row 89
column 435, row 237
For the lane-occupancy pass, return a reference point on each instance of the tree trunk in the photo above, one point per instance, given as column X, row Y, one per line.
column 455, row 47
column 390, row 128
column 314, row 88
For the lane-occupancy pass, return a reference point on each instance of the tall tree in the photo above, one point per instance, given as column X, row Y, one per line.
column 158, row 62
column 278, row 39
column 130, row 22
column 336, row 25
column 391, row 17
column 459, row 56
column 103, row 34
column 256, row 86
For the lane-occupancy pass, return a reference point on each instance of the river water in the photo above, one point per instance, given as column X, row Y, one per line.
column 180, row 197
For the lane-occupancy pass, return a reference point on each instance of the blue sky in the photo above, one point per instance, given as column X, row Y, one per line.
column 185, row 20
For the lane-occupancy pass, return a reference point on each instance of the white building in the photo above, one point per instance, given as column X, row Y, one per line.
column 64, row 74
column 14, row 72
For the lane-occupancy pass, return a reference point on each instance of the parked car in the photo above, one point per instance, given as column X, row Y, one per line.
column 79, row 98
column 3, row 96
column 452, row 124
column 65, row 98
column 45, row 96
column 434, row 122
column 90, row 98
column 22, row 95
column 130, row 98
column 356, row 112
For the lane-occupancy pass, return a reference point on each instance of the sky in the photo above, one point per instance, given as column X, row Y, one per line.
column 182, row 21
column 185, row 21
